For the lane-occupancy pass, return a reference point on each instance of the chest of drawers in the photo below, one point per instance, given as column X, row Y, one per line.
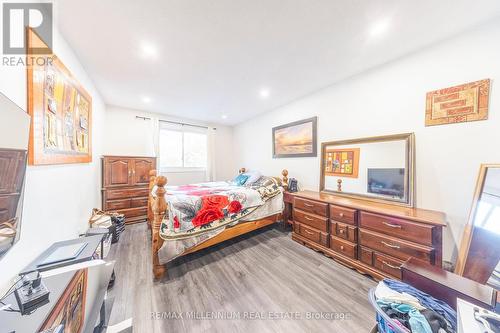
column 125, row 186
column 374, row 238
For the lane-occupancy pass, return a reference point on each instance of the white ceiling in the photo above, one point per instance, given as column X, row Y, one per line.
column 215, row 56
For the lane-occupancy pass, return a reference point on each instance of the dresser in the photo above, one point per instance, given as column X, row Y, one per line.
column 125, row 183
column 373, row 238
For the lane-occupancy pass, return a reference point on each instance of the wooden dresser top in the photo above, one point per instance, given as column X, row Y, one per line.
column 414, row 214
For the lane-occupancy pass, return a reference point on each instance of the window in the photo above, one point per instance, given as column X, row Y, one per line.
column 182, row 148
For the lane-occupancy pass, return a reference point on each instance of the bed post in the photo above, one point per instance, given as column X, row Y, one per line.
column 152, row 177
column 284, row 173
column 159, row 210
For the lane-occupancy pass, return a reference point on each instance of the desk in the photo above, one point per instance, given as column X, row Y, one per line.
column 447, row 286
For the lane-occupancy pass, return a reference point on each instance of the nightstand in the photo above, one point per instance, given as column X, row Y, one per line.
column 288, row 212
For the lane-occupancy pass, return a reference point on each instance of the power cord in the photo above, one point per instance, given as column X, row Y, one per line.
column 8, row 308
column 10, row 290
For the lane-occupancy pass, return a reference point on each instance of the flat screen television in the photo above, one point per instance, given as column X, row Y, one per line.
column 388, row 182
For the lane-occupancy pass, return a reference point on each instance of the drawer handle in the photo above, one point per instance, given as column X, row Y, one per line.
column 390, row 245
column 391, row 266
column 308, row 205
column 308, row 218
column 392, row 225
column 342, row 247
column 308, row 232
column 341, row 214
column 341, row 231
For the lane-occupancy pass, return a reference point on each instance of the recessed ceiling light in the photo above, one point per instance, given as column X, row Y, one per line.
column 379, row 27
column 149, row 51
column 224, row 116
column 264, row 93
column 146, row 99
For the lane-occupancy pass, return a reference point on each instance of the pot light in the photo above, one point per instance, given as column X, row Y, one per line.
column 379, row 28
column 264, row 93
column 149, row 51
column 146, row 99
column 224, row 116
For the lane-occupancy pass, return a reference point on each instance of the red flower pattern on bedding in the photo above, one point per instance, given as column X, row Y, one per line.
column 208, row 215
column 214, row 201
column 211, row 209
column 234, row 207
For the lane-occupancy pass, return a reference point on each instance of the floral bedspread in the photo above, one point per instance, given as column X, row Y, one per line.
column 199, row 208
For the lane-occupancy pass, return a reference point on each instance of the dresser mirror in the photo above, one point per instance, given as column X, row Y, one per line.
column 14, row 133
column 377, row 168
column 479, row 253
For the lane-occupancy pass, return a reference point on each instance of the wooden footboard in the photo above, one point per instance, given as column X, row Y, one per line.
column 158, row 208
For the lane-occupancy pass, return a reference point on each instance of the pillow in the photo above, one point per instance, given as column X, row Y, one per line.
column 253, row 176
column 265, row 181
column 240, row 180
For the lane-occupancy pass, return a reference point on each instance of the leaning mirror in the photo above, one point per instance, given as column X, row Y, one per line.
column 479, row 253
column 378, row 168
column 14, row 133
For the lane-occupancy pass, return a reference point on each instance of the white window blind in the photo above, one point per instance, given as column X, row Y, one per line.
column 182, row 148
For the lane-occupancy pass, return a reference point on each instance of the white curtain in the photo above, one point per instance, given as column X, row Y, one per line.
column 210, row 172
column 155, row 133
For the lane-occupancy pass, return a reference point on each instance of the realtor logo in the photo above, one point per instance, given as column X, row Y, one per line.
column 18, row 16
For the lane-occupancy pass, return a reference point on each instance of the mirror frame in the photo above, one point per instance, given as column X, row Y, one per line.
column 465, row 244
column 410, row 165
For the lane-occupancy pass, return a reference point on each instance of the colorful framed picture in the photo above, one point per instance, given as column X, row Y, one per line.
column 342, row 162
column 459, row 104
column 60, row 110
column 297, row 139
column 69, row 311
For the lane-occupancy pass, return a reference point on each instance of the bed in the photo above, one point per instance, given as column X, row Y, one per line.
column 185, row 219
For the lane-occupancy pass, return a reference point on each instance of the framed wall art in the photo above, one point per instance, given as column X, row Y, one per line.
column 69, row 310
column 297, row 139
column 342, row 162
column 463, row 103
column 60, row 109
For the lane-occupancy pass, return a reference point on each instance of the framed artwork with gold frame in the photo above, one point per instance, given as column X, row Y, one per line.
column 70, row 308
column 60, row 110
column 342, row 162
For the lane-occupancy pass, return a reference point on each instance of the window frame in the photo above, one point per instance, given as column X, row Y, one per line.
column 181, row 169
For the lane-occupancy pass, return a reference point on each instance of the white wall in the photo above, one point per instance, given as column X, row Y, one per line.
column 391, row 99
column 126, row 135
column 58, row 198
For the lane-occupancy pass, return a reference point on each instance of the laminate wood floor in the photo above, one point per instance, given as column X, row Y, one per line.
column 259, row 282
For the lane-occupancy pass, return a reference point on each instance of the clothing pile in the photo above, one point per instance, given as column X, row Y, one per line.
column 413, row 310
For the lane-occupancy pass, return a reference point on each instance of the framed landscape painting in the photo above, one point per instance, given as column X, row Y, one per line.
column 297, row 139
